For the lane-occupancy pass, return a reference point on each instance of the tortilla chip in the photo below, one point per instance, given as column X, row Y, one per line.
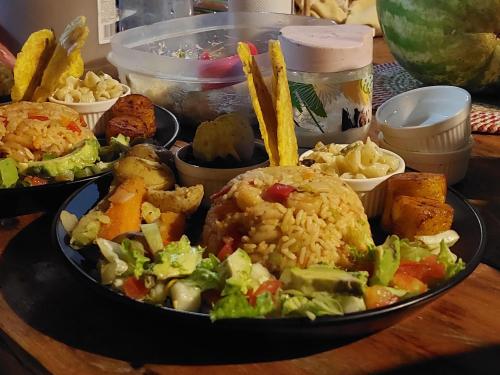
column 66, row 60
column 287, row 140
column 262, row 103
column 30, row 64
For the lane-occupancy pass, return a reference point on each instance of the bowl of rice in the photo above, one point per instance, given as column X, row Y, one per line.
column 364, row 166
column 91, row 96
column 288, row 216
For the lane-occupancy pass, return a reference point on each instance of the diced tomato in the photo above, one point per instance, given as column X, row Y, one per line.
column 378, row 296
column 221, row 192
column 73, row 126
column 37, row 117
column 205, row 55
column 409, row 283
column 134, row 288
column 35, row 180
column 227, row 249
column 270, row 286
column 278, row 193
column 428, row 270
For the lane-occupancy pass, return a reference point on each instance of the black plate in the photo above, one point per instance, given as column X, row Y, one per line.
column 470, row 247
column 25, row 200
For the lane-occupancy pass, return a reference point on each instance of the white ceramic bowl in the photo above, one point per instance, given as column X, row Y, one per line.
column 371, row 191
column 212, row 179
column 453, row 164
column 428, row 119
column 92, row 112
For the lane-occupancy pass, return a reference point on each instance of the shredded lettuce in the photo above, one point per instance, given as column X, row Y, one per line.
column 177, row 259
column 319, row 304
column 133, row 254
column 237, row 306
column 415, row 251
column 387, row 258
column 452, row 263
column 206, row 275
column 117, row 145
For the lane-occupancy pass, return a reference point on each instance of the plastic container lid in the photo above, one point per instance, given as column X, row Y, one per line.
column 150, row 49
column 327, row 49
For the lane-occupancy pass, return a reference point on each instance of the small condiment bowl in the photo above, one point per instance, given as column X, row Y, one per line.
column 371, row 191
column 92, row 112
column 453, row 164
column 427, row 119
column 212, row 179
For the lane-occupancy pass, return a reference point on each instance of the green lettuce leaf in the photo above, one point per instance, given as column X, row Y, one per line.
column 237, row 306
column 321, row 303
column 452, row 263
column 133, row 254
column 177, row 259
column 206, row 275
column 414, row 251
column 387, row 257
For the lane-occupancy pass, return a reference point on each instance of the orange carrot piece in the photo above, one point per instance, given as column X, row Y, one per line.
column 124, row 211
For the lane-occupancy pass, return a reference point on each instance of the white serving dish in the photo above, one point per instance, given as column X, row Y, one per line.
column 371, row 191
column 453, row 164
column 427, row 119
column 212, row 179
column 92, row 112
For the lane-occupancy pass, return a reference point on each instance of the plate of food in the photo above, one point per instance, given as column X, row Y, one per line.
column 286, row 249
column 49, row 149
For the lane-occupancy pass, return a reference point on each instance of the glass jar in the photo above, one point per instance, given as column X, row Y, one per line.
column 330, row 75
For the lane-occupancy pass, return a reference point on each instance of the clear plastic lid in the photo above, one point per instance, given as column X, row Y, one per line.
column 200, row 48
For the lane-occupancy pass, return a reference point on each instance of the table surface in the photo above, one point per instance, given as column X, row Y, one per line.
column 52, row 324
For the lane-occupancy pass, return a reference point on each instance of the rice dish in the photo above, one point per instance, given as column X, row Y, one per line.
column 32, row 131
column 319, row 222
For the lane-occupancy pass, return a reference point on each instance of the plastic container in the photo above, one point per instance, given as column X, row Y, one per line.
column 212, row 179
column 371, row 191
column 331, row 78
column 92, row 112
column 428, row 119
column 207, row 80
column 453, row 164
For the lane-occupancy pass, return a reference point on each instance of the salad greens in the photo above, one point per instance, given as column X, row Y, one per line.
column 177, row 275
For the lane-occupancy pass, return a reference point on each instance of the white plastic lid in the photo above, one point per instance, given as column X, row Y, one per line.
column 327, row 49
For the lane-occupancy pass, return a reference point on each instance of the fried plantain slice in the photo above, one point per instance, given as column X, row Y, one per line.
column 262, row 103
column 287, row 140
column 31, row 63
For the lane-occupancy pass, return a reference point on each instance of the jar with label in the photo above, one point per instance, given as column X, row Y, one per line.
column 330, row 76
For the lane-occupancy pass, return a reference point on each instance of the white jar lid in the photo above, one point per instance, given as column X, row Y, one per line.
column 327, row 49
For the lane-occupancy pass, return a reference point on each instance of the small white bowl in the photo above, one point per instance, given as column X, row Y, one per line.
column 453, row 164
column 371, row 191
column 428, row 119
column 92, row 112
column 212, row 179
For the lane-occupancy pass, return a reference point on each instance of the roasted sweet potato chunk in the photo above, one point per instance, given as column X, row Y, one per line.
column 413, row 184
column 414, row 216
column 138, row 106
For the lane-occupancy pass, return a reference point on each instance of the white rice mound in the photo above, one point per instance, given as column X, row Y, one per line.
column 24, row 137
column 318, row 223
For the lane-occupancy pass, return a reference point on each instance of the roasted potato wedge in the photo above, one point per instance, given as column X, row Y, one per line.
column 413, row 184
column 137, row 106
column 185, row 200
column 129, row 126
column 154, row 174
column 144, row 151
column 416, row 216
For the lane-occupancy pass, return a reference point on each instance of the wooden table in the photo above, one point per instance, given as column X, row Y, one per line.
column 43, row 329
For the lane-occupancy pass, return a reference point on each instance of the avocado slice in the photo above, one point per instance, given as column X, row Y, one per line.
column 86, row 154
column 387, row 258
column 322, row 278
column 8, row 173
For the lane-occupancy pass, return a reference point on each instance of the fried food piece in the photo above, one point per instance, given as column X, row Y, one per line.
column 413, row 184
column 144, row 151
column 154, row 174
column 184, row 200
column 31, row 63
column 287, row 141
column 417, row 216
column 128, row 126
column 138, row 106
column 65, row 61
column 262, row 102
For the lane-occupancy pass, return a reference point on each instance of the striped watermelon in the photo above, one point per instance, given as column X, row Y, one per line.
column 452, row 42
